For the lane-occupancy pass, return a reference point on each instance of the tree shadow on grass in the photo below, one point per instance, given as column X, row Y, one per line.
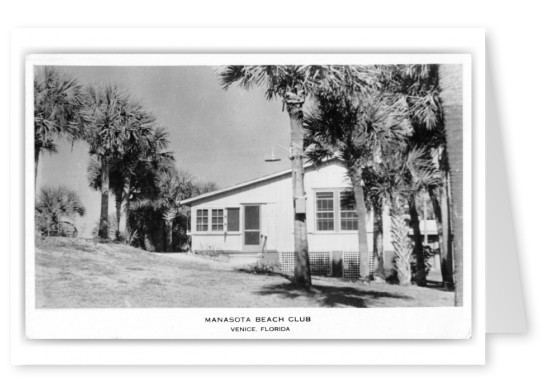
column 329, row 296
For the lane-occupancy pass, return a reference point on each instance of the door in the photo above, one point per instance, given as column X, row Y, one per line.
column 251, row 228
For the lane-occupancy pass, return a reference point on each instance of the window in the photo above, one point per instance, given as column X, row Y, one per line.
column 336, row 210
column 217, row 220
column 233, row 219
column 202, row 219
column 325, row 213
column 349, row 218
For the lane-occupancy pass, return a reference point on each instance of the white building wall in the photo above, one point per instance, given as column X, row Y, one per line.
column 217, row 241
column 275, row 197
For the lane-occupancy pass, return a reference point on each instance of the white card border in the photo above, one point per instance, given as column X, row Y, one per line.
column 475, row 39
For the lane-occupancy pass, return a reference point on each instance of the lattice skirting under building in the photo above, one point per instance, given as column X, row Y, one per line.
column 320, row 262
column 351, row 264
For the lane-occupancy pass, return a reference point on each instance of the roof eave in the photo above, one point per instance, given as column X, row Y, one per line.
column 190, row 201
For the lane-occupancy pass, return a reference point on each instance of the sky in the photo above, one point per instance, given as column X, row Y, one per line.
column 217, row 135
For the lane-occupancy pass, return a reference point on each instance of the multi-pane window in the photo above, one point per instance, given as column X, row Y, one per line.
column 348, row 216
column 217, row 220
column 325, row 211
column 202, row 220
column 336, row 211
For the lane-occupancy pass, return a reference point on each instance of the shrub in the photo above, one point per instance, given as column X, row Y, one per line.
column 54, row 210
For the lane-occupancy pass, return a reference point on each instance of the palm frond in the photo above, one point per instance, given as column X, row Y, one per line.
column 54, row 205
column 293, row 83
column 58, row 104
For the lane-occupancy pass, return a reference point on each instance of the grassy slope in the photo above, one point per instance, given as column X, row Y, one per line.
column 77, row 273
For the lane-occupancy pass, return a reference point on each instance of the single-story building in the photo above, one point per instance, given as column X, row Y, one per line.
column 257, row 217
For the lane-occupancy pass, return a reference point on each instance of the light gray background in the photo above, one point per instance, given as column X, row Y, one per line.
column 505, row 312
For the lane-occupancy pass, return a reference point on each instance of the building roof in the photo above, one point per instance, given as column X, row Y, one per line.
column 191, row 200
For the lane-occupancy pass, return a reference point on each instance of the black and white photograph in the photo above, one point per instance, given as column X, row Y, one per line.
column 309, row 185
column 301, row 196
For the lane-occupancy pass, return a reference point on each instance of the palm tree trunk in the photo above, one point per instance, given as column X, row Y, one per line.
column 149, row 243
column 36, row 159
column 401, row 270
column 104, row 214
column 125, row 212
column 169, row 247
column 361, row 210
column 118, row 208
column 378, row 255
column 302, row 261
column 435, row 200
column 440, row 206
column 420, row 275
column 447, row 234
column 450, row 77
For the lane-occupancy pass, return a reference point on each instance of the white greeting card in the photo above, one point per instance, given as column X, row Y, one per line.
column 219, row 197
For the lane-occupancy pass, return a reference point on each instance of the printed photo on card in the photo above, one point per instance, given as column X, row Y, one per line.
column 254, row 196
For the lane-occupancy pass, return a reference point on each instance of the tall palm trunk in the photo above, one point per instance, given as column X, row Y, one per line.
column 451, row 84
column 447, row 233
column 446, row 220
column 361, row 210
column 420, row 274
column 104, row 214
column 118, row 208
column 125, row 213
column 169, row 246
column 378, row 255
column 402, row 246
column 440, row 206
column 36, row 159
column 302, row 262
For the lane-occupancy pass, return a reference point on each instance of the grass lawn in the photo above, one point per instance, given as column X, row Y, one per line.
column 79, row 273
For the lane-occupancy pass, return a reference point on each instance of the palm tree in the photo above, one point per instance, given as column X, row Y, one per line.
column 398, row 174
column 419, row 83
column 141, row 155
column 58, row 101
column 141, row 191
column 142, row 144
column 171, row 186
column 382, row 182
column 451, row 85
column 112, row 117
column 141, row 166
column 171, row 189
column 334, row 129
column 385, row 184
column 54, row 206
column 294, row 84
column 352, row 128
column 116, row 185
column 421, row 174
